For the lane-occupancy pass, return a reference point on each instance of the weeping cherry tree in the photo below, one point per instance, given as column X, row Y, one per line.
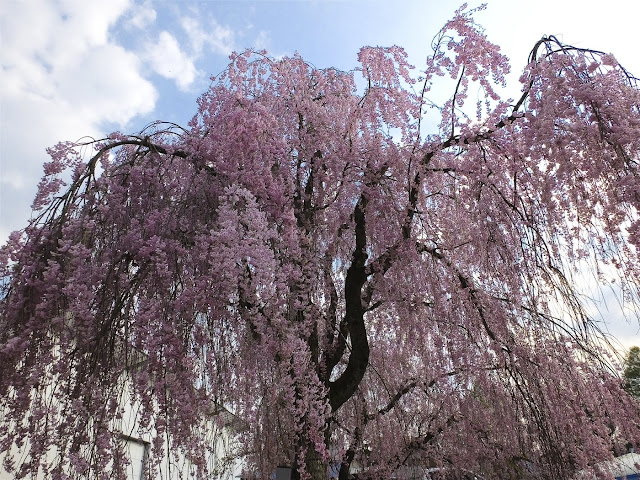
column 369, row 278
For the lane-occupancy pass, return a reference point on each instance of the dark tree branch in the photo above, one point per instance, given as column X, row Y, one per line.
column 345, row 386
column 392, row 401
column 465, row 283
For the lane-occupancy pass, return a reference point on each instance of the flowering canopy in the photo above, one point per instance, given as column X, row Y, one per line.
column 359, row 292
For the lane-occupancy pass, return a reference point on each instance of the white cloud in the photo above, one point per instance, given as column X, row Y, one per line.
column 142, row 16
column 65, row 74
column 63, row 77
column 262, row 41
column 219, row 39
column 168, row 60
column 56, row 32
column 114, row 73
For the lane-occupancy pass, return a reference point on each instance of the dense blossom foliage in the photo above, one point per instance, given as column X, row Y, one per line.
column 363, row 288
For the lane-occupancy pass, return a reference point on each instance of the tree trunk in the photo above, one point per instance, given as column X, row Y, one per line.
column 316, row 466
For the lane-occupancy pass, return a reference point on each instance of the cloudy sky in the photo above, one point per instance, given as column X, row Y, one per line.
column 74, row 68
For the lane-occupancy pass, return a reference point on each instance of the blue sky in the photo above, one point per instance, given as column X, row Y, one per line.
column 87, row 67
